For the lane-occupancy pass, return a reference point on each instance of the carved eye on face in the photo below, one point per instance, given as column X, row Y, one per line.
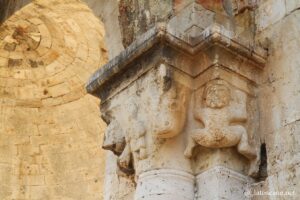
column 216, row 95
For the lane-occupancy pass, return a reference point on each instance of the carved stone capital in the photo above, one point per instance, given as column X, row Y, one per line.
column 182, row 98
column 141, row 118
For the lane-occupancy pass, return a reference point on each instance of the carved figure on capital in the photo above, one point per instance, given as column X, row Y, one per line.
column 221, row 110
column 151, row 113
column 167, row 112
column 125, row 135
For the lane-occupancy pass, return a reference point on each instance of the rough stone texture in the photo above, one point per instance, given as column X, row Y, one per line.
column 50, row 132
column 136, row 17
column 280, row 83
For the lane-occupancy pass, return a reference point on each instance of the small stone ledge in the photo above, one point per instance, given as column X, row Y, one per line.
column 215, row 35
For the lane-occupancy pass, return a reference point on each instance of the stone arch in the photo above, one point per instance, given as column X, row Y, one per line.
column 106, row 11
column 50, row 132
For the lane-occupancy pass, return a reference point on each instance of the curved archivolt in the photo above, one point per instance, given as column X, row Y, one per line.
column 50, row 131
column 44, row 44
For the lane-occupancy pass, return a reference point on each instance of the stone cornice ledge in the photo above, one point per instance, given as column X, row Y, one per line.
column 213, row 35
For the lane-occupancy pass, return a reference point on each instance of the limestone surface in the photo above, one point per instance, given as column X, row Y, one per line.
column 50, row 132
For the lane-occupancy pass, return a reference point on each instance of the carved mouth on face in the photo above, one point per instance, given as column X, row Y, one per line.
column 129, row 170
column 116, row 148
column 109, row 146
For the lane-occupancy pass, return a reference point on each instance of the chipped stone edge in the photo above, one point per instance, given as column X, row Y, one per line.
column 226, row 172
column 168, row 172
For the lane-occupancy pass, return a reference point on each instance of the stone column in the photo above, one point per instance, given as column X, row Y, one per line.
column 181, row 104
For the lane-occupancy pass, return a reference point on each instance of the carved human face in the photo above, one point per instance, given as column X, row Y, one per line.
column 216, row 94
column 114, row 139
column 170, row 108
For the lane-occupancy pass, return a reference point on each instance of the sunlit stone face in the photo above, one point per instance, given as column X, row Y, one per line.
column 168, row 107
column 217, row 94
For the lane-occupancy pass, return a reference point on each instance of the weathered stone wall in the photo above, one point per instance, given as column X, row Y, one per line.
column 278, row 30
column 108, row 12
column 50, row 130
